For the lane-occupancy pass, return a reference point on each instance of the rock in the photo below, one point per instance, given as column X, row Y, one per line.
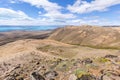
column 110, row 75
column 111, row 56
column 10, row 78
column 15, row 74
column 36, row 76
column 59, row 60
column 64, row 65
column 87, row 61
column 21, row 78
column 72, row 77
column 42, row 69
column 51, row 75
column 86, row 77
column 37, row 63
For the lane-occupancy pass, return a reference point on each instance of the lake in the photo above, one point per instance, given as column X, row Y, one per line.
column 27, row 28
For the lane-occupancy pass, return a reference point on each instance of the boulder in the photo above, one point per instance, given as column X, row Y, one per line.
column 87, row 61
column 10, row 78
column 86, row 77
column 111, row 56
column 51, row 75
column 110, row 75
column 72, row 77
column 36, row 76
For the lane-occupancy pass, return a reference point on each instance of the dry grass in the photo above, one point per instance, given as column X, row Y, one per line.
column 66, row 52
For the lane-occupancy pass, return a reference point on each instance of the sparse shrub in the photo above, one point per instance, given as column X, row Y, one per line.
column 80, row 72
column 93, row 66
column 103, row 60
column 87, row 77
column 44, row 48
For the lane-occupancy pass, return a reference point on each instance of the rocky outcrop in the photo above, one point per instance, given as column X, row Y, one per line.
column 39, row 68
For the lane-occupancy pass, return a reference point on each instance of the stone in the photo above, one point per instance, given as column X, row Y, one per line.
column 111, row 56
column 36, row 76
column 21, row 78
column 110, row 75
column 87, row 61
column 86, row 77
column 72, row 77
column 51, row 74
column 10, row 78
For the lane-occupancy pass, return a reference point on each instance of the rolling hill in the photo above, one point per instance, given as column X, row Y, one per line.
column 96, row 37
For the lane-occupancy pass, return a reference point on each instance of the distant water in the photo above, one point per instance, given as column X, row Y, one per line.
column 27, row 28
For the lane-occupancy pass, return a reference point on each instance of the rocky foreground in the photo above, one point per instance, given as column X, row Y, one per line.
column 52, row 60
column 55, row 59
column 37, row 67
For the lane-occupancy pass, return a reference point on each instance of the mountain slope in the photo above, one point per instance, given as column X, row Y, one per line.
column 97, row 37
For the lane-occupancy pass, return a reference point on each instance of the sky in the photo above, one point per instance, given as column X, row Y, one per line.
column 59, row 12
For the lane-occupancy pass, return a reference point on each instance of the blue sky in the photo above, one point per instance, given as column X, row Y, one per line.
column 59, row 12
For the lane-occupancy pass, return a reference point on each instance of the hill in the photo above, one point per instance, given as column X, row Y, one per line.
column 96, row 37
column 11, row 36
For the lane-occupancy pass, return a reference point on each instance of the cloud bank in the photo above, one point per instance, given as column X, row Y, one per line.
column 82, row 6
column 54, row 13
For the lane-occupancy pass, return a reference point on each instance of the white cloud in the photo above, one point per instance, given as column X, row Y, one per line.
column 11, row 14
column 47, row 5
column 53, row 13
column 82, row 6
column 84, row 22
column 59, row 15
column 13, row 1
column 12, row 17
column 53, row 10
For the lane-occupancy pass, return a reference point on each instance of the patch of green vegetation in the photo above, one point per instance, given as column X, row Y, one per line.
column 80, row 72
column 102, row 60
column 93, row 66
column 102, row 47
column 44, row 48
column 66, row 52
column 64, row 66
column 99, row 47
column 108, row 74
